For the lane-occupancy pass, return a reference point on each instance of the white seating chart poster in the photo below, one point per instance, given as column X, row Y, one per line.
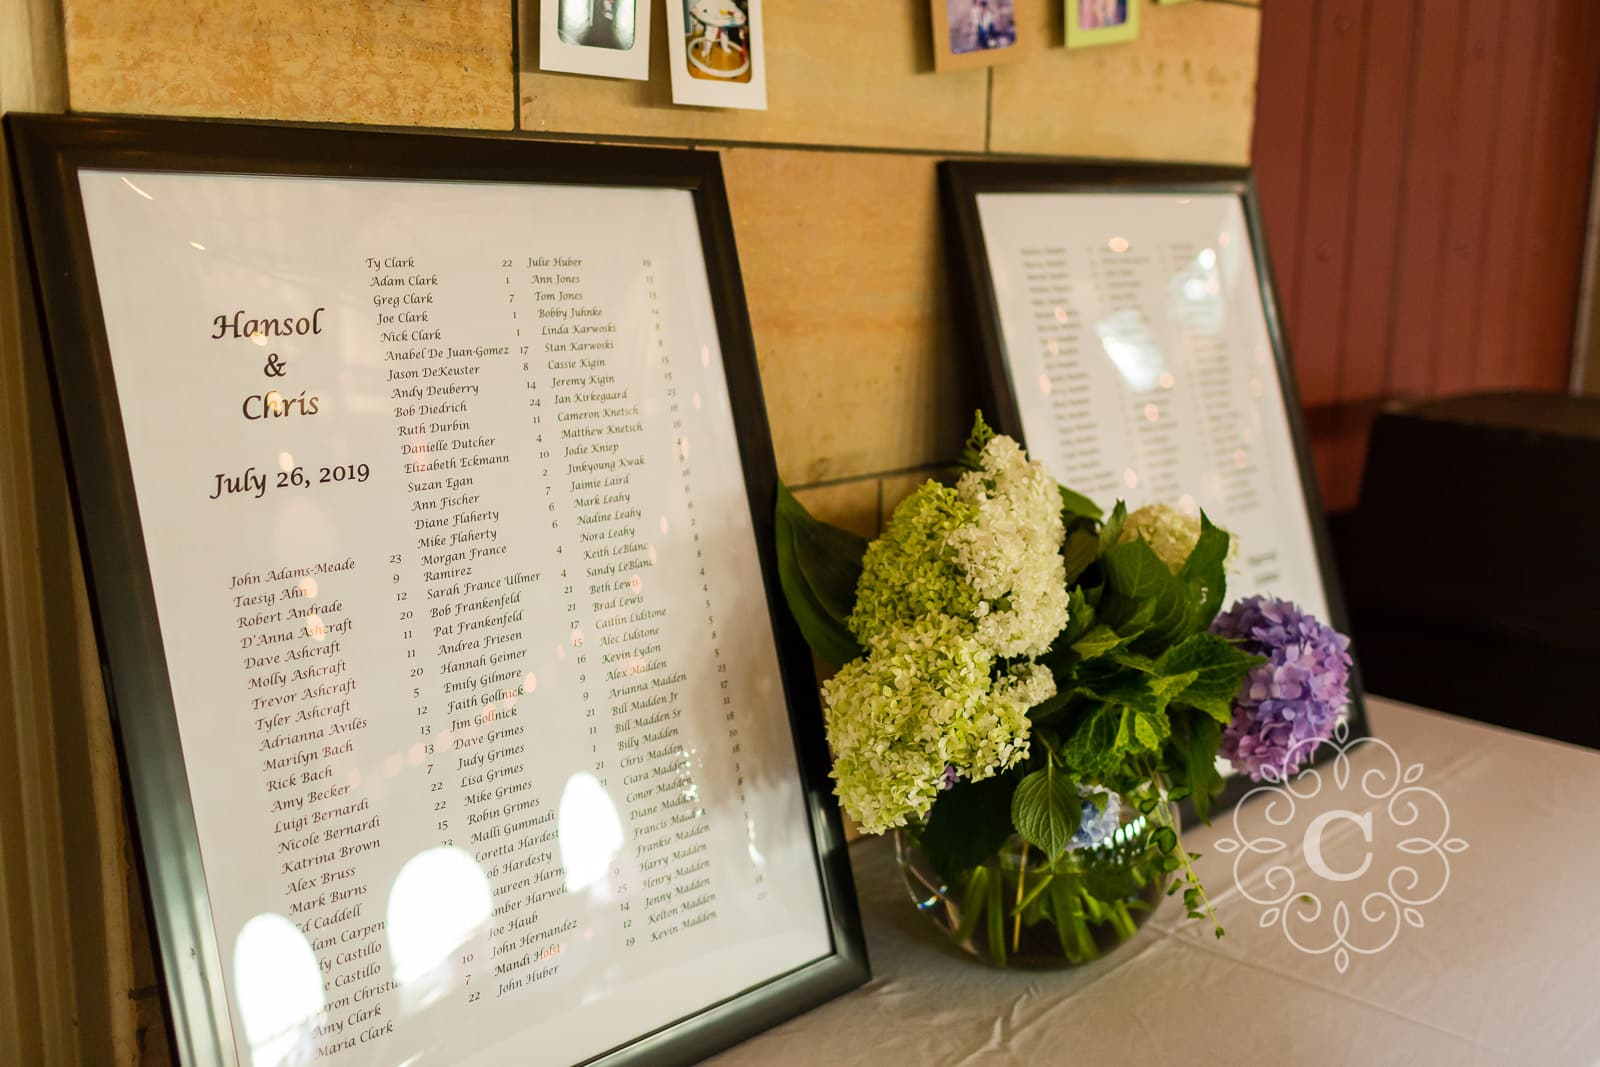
column 453, row 558
column 1139, row 357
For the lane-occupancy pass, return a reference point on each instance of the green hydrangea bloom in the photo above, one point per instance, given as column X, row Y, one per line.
column 1170, row 533
column 925, row 699
column 911, row 570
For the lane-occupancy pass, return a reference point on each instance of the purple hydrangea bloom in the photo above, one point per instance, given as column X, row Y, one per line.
column 1096, row 825
column 1288, row 705
column 950, row 777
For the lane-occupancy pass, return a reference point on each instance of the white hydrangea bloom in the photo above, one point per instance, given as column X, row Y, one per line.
column 1012, row 553
column 922, row 700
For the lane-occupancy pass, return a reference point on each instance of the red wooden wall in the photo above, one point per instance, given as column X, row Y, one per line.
column 1424, row 172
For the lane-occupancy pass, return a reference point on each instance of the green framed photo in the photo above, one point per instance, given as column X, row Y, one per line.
column 1096, row 22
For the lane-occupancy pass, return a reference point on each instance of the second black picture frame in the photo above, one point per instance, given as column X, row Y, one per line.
column 1121, row 323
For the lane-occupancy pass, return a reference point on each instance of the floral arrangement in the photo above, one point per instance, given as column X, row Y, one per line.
column 1027, row 686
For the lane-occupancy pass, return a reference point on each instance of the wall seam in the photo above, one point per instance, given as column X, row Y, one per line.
column 849, row 479
column 516, row 66
column 988, row 111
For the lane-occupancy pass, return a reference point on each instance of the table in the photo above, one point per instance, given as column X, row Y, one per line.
column 1505, row 969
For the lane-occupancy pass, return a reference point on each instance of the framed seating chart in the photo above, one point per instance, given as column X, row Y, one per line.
column 1124, row 320
column 425, row 490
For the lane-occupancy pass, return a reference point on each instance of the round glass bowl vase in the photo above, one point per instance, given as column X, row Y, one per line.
column 1018, row 909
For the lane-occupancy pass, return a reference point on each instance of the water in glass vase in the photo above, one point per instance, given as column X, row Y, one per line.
column 1021, row 909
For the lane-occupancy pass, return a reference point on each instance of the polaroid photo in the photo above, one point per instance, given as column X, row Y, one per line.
column 974, row 33
column 1095, row 22
column 607, row 38
column 718, row 53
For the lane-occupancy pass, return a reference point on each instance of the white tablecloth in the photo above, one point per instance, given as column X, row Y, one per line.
column 1505, row 968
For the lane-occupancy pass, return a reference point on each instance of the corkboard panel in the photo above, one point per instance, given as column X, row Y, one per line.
column 844, row 275
column 858, row 74
column 1185, row 90
column 391, row 62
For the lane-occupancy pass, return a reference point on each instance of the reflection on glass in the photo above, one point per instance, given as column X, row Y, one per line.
column 1126, row 340
column 1196, row 294
column 279, row 986
column 597, row 23
column 440, row 902
column 589, row 831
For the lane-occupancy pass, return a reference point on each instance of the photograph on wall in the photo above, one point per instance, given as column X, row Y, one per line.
column 1094, row 22
column 974, row 33
column 607, row 38
column 716, row 53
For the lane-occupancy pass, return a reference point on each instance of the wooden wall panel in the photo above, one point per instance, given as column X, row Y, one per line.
column 1377, row 180
column 399, row 62
column 1279, row 153
column 844, row 273
column 1435, row 80
column 858, row 77
column 1474, row 136
column 1326, row 207
column 1424, row 199
column 1495, row 339
column 1562, row 182
column 1183, row 92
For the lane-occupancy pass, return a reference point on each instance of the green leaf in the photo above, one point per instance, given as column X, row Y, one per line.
column 1091, row 751
column 1075, row 503
column 1141, row 730
column 830, row 560
column 817, row 611
column 973, row 898
column 1081, row 549
column 996, row 910
column 1042, row 711
column 1218, row 668
column 1046, row 810
column 1142, row 593
column 968, row 824
column 1113, row 526
column 1195, row 739
column 981, row 435
column 1167, row 687
column 1097, row 642
column 1080, row 616
column 1109, row 880
column 1204, row 574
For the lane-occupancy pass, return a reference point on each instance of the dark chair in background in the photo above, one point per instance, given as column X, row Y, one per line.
column 1473, row 563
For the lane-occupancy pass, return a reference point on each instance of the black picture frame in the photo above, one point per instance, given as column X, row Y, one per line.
column 48, row 153
column 977, row 316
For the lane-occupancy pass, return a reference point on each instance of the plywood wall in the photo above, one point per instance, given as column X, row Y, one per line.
column 832, row 189
column 1425, row 173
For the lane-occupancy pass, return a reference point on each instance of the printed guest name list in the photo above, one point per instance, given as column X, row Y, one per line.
column 454, row 566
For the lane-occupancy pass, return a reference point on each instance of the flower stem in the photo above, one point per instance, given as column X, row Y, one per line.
column 1022, row 875
column 1165, row 818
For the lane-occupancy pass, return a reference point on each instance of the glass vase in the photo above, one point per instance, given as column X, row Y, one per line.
column 1020, row 909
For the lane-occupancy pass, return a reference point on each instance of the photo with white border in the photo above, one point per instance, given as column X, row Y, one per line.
column 606, row 38
column 717, row 53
